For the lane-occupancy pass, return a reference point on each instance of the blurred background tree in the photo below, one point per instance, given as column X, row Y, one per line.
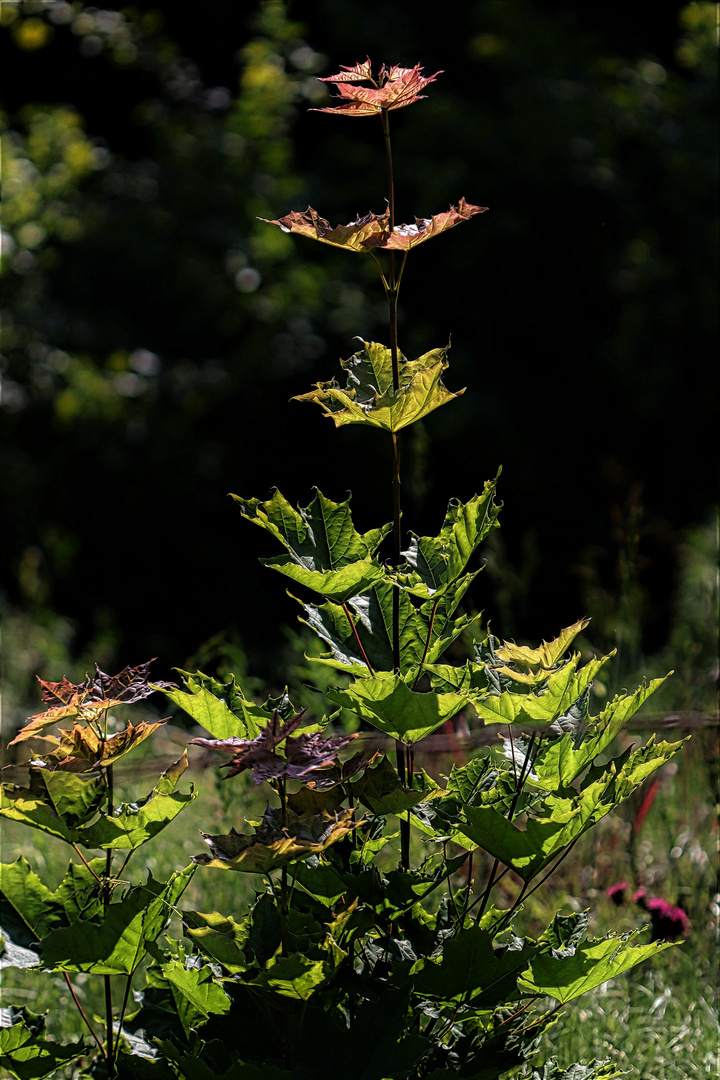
column 153, row 329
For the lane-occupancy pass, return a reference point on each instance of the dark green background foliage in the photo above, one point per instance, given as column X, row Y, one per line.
column 156, row 327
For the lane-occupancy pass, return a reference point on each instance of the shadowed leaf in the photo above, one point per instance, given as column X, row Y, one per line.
column 23, row 1051
column 380, row 789
column 55, row 802
column 274, row 845
column 116, row 944
column 29, row 910
column 591, row 964
column 295, row 976
column 196, row 994
column 593, row 1070
column 471, row 966
column 219, row 937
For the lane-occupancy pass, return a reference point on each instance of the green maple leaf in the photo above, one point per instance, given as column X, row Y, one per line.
column 324, row 551
column 368, row 396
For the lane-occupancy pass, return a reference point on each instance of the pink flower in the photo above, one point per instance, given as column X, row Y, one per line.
column 616, row 893
column 666, row 921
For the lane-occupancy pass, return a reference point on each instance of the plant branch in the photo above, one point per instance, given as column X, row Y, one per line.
column 87, row 864
column 380, row 271
column 403, row 763
column 427, row 644
column 350, row 619
column 125, row 1000
column 284, row 897
column 82, row 1013
column 468, row 889
column 488, row 889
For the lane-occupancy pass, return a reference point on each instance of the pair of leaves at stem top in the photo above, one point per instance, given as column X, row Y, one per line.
column 374, row 231
column 325, row 552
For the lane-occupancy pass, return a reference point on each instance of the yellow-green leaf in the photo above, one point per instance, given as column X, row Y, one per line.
column 369, row 397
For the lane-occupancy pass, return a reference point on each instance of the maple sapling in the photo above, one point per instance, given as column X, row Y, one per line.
column 355, row 959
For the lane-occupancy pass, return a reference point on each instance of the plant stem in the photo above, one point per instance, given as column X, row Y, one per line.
column 427, row 643
column 468, row 890
column 488, row 890
column 404, row 759
column 125, row 1000
column 110, row 1054
column 284, row 898
column 524, row 773
column 483, row 896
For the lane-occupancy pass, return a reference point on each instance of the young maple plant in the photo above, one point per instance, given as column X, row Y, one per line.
column 365, row 955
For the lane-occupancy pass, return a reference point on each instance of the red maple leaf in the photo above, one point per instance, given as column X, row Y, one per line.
column 394, row 88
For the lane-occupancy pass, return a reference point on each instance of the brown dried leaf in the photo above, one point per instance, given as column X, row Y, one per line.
column 373, row 230
column 395, row 88
column 82, row 742
column 51, row 716
column 404, row 237
column 58, row 693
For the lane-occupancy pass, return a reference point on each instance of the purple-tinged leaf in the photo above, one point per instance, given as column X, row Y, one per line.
column 395, row 88
column 129, row 686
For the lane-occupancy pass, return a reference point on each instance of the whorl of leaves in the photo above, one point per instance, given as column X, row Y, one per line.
column 394, row 88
